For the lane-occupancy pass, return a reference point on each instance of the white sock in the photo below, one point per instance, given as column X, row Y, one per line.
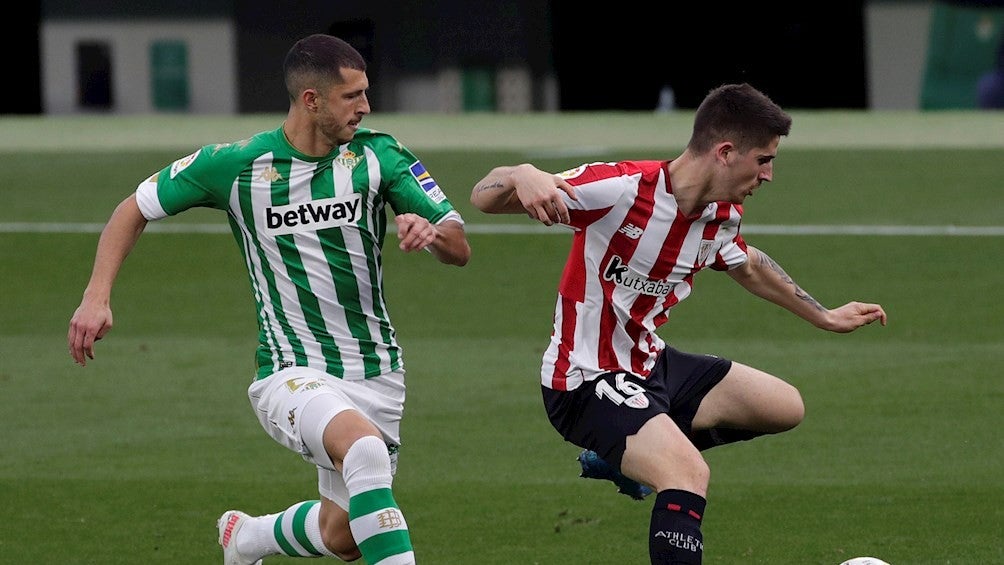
column 258, row 537
column 377, row 523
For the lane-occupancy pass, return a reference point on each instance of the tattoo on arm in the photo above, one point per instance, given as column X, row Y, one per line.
column 766, row 261
column 488, row 186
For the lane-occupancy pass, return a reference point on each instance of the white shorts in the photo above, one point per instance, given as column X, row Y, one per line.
column 280, row 401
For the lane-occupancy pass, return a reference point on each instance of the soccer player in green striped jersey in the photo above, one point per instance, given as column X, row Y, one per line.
column 307, row 206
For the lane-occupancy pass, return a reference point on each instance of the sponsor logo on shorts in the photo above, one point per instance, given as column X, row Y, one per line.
column 298, row 384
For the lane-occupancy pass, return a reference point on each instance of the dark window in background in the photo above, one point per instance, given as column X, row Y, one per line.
column 810, row 56
column 20, row 42
column 94, row 75
column 358, row 33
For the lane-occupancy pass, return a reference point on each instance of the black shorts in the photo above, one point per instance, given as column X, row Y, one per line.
column 601, row 414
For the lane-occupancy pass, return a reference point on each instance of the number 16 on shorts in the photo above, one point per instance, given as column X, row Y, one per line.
column 622, row 391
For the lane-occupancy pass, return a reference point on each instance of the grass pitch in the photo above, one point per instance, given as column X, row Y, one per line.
column 131, row 459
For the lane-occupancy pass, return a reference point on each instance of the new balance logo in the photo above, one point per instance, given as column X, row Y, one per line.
column 631, row 230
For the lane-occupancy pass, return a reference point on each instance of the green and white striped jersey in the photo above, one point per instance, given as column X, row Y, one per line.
column 310, row 230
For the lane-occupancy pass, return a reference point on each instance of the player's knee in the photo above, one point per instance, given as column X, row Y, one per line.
column 786, row 410
column 669, row 468
column 691, row 474
column 702, row 472
column 792, row 412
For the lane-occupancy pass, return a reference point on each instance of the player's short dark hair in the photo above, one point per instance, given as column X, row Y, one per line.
column 317, row 60
column 738, row 113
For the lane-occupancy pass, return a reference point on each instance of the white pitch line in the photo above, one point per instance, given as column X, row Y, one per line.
column 980, row 231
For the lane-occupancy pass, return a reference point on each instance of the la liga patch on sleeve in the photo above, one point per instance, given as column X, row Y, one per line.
column 183, row 163
column 427, row 183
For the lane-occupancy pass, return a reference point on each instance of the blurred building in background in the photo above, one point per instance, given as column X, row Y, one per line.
column 453, row 56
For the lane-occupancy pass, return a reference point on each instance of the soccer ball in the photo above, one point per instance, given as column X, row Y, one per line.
column 864, row 561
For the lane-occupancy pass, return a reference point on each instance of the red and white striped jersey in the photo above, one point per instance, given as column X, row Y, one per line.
column 633, row 257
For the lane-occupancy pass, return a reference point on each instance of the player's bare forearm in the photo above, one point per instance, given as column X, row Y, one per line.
column 93, row 318
column 524, row 188
column 451, row 246
column 785, row 284
column 496, row 193
column 117, row 240
column 447, row 241
column 764, row 277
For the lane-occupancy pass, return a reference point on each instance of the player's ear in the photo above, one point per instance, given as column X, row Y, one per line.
column 309, row 99
column 722, row 150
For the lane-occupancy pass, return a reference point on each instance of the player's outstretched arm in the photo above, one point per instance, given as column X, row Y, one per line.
column 93, row 318
column 447, row 241
column 523, row 188
column 763, row 277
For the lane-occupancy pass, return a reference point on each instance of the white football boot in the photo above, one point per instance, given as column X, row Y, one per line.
column 229, row 524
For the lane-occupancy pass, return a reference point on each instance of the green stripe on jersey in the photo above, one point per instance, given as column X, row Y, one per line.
column 311, row 232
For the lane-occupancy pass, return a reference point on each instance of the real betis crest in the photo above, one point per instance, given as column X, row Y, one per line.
column 348, row 159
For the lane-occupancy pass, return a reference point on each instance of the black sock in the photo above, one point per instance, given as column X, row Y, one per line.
column 674, row 536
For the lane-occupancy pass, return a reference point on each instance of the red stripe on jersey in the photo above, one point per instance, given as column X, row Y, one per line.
column 582, row 218
column 624, row 246
column 723, row 213
column 605, row 353
column 639, row 215
column 559, row 378
column 573, row 278
column 668, row 257
column 593, row 172
column 671, row 247
column 663, row 316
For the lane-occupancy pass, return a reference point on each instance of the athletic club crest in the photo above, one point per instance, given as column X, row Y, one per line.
column 637, row 401
column 708, row 247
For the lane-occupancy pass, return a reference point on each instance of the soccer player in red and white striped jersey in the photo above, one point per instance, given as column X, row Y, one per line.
column 641, row 231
